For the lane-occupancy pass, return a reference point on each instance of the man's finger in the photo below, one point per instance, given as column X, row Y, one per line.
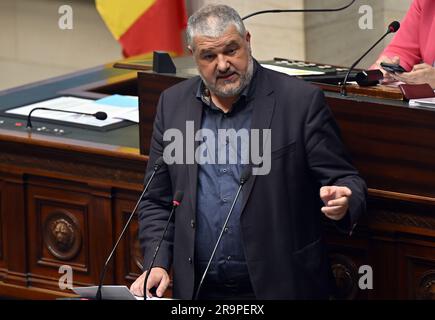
column 324, row 192
column 137, row 286
column 162, row 287
column 327, row 191
column 344, row 191
column 133, row 288
column 150, row 284
column 338, row 202
column 335, row 213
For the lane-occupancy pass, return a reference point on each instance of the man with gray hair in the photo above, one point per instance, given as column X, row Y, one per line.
column 273, row 246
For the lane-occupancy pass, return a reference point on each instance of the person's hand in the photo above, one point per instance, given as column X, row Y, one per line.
column 158, row 278
column 388, row 77
column 420, row 73
column 336, row 200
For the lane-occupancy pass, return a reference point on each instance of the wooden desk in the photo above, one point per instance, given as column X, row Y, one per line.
column 64, row 199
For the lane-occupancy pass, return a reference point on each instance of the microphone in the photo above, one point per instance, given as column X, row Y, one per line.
column 298, row 10
column 245, row 177
column 100, row 115
column 175, row 203
column 157, row 166
column 392, row 28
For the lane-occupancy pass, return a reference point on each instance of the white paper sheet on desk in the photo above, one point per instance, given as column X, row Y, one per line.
column 130, row 115
column 110, row 293
column 292, row 71
column 76, row 105
column 428, row 103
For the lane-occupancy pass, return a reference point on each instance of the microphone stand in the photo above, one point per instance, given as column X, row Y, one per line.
column 343, row 90
column 99, row 115
column 175, row 203
column 157, row 166
column 298, row 10
column 243, row 180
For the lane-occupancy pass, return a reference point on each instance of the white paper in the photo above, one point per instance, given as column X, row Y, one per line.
column 107, row 292
column 131, row 115
column 76, row 105
column 292, row 71
column 110, row 293
column 428, row 103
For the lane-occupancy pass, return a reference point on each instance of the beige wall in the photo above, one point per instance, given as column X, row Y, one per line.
column 273, row 35
column 336, row 38
column 32, row 47
column 333, row 38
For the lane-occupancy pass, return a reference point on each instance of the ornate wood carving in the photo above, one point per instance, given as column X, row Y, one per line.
column 346, row 276
column 384, row 216
column 426, row 287
column 74, row 168
column 62, row 235
column 1, row 223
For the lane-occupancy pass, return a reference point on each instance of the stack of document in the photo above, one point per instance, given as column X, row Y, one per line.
column 426, row 103
column 117, row 108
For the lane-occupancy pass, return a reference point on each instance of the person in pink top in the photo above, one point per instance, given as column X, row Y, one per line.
column 413, row 47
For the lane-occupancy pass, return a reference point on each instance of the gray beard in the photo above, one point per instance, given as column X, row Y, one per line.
column 245, row 80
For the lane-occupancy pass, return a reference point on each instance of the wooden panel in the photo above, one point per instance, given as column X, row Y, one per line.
column 2, row 258
column 44, row 177
column 393, row 147
column 67, row 226
column 14, row 228
column 150, row 86
column 346, row 258
column 417, row 272
column 128, row 255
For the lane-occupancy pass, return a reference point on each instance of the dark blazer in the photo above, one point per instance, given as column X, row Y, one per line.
column 281, row 221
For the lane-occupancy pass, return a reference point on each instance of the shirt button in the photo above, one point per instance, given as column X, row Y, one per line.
column 190, row 260
column 192, row 223
column 229, row 258
column 224, row 170
column 226, row 230
column 224, row 199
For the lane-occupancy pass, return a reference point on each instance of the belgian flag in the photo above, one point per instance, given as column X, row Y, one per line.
column 142, row 26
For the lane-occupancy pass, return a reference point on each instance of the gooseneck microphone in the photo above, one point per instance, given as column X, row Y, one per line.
column 245, row 177
column 175, row 203
column 392, row 28
column 157, row 166
column 100, row 115
column 298, row 10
